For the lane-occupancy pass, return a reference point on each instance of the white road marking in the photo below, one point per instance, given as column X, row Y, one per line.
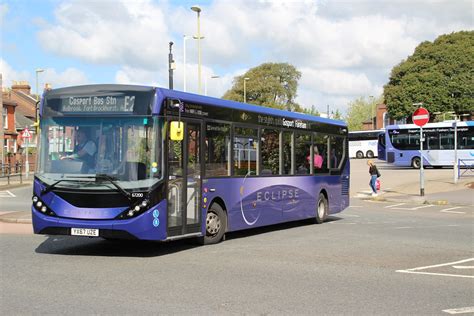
column 420, row 227
column 423, row 206
column 449, row 210
column 441, row 274
column 462, row 310
column 355, row 206
column 7, row 194
column 399, row 204
column 402, row 208
column 463, row 267
column 417, row 270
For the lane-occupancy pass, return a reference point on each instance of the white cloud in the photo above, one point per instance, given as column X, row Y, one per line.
column 3, row 11
column 133, row 33
column 343, row 48
column 68, row 77
column 9, row 74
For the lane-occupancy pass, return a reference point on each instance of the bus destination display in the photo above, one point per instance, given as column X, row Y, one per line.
column 108, row 104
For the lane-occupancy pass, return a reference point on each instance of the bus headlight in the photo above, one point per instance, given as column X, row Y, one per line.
column 41, row 207
column 134, row 210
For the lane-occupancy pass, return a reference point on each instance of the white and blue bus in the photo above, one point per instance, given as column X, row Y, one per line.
column 136, row 162
column 363, row 144
column 400, row 144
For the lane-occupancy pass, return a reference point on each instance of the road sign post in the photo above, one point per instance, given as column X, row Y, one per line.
column 26, row 135
column 420, row 117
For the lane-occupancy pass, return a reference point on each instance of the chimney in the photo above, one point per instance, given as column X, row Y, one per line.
column 22, row 86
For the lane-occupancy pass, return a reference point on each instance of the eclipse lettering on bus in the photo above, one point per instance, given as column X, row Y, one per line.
column 277, row 195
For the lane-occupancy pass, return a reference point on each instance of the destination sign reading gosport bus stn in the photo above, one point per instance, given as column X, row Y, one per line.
column 108, row 104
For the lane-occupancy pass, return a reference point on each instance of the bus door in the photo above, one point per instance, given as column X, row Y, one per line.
column 184, row 181
column 381, row 146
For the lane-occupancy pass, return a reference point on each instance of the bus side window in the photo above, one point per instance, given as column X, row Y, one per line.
column 302, row 153
column 319, row 153
column 217, row 149
column 270, row 140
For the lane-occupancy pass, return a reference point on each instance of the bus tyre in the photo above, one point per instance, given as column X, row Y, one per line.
column 416, row 162
column 321, row 209
column 216, row 223
column 370, row 154
column 359, row 155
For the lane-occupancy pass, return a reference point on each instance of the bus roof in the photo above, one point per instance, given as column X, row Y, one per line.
column 195, row 98
column 430, row 125
column 163, row 93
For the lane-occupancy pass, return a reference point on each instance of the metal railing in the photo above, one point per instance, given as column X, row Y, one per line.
column 11, row 170
column 467, row 167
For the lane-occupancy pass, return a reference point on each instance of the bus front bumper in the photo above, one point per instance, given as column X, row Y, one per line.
column 151, row 225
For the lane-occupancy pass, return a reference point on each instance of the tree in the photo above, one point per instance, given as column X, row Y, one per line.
column 336, row 115
column 439, row 74
column 311, row 111
column 270, row 84
column 361, row 110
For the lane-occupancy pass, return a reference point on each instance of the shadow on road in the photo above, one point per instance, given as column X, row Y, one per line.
column 84, row 246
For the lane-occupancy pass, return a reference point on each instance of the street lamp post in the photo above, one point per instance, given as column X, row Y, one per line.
column 456, row 165
column 27, row 164
column 245, row 88
column 171, row 66
column 205, row 82
column 422, row 174
column 185, row 37
column 197, row 9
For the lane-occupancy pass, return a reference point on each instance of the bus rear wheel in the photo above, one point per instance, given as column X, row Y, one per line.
column 359, row 155
column 416, row 163
column 370, row 154
column 216, row 223
column 321, row 209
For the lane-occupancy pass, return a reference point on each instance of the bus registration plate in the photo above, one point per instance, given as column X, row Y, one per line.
column 85, row 232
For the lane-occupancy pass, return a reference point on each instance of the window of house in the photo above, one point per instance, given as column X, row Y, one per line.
column 5, row 118
column 245, row 151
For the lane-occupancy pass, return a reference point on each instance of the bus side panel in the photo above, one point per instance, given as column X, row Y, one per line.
column 255, row 202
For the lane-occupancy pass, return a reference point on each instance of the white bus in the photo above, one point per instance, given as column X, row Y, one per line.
column 363, row 144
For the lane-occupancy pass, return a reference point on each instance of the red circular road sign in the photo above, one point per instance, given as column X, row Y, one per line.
column 421, row 116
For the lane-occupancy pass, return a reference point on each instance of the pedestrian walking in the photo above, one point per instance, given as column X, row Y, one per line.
column 374, row 174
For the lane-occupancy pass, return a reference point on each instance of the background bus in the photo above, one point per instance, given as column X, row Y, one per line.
column 163, row 165
column 400, row 144
column 363, row 144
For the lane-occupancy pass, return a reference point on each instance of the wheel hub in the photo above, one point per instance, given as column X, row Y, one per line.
column 213, row 223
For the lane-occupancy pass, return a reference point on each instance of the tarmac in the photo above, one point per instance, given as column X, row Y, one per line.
column 439, row 192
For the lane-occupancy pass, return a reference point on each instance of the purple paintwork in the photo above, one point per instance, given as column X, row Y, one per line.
column 142, row 227
column 254, row 202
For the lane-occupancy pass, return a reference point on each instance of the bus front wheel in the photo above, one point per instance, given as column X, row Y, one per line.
column 216, row 223
column 359, row 155
column 416, row 163
column 321, row 209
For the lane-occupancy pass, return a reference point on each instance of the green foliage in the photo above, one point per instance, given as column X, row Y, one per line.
column 336, row 115
column 270, row 84
column 439, row 74
column 311, row 111
column 361, row 110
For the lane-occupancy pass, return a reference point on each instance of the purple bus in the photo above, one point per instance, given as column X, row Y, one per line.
column 134, row 162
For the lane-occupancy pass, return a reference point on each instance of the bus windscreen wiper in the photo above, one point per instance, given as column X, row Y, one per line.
column 52, row 186
column 112, row 180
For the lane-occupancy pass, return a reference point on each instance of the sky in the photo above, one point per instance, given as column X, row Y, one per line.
column 344, row 49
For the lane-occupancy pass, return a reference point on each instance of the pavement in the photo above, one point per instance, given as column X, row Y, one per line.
column 438, row 191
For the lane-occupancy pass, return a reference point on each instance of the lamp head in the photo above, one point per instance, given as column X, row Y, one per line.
column 196, row 8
